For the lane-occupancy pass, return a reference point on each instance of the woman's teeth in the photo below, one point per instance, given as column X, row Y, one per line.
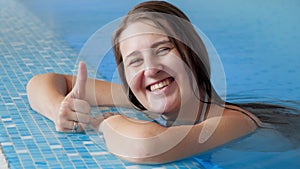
column 160, row 85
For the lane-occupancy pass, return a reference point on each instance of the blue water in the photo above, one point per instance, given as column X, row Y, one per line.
column 258, row 44
column 257, row 41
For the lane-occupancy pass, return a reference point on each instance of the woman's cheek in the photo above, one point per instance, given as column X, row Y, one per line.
column 134, row 80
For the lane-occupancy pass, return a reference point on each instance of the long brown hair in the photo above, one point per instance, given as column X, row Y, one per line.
column 181, row 33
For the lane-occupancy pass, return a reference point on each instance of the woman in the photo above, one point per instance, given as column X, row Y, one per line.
column 165, row 70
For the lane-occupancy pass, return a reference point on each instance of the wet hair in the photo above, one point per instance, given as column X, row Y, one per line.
column 181, row 33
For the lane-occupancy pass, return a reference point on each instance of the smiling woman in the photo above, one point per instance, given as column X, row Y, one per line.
column 165, row 70
column 154, row 74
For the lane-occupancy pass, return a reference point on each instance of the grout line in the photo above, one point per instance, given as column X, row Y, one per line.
column 3, row 162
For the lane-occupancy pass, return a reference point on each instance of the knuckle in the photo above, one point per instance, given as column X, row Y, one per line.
column 63, row 112
column 58, row 128
column 58, row 123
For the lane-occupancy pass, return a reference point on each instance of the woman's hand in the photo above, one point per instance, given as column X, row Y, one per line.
column 74, row 111
column 67, row 105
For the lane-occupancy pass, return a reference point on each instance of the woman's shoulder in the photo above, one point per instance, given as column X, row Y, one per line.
column 237, row 111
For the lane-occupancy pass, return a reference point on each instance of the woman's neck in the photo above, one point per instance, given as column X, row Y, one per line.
column 193, row 111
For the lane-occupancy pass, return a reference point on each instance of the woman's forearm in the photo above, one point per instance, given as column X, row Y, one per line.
column 148, row 142
column 45, row 93
column 103, row 93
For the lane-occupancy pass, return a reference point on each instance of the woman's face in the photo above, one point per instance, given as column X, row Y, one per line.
column 153, row 68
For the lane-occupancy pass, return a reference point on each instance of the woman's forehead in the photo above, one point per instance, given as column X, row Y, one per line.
column 143, row 27
column 142, row 42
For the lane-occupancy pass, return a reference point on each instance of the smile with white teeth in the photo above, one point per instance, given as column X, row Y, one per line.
column 160, row 85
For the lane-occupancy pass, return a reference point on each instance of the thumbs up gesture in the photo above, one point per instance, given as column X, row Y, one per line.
column 74, row 111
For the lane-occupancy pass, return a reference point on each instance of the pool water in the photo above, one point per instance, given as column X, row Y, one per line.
column 257, row 42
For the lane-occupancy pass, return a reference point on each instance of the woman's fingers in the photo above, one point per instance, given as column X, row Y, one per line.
column 81, row 111
column 71, row 126
column 73, row 110
column 108, row 114
column 80, row 117
column 78, row 90
column 78, row 105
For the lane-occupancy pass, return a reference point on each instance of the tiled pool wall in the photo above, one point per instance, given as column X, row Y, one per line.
column 29, row 140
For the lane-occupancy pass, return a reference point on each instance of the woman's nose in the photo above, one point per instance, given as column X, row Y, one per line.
column 151, row 71
column 152, row 68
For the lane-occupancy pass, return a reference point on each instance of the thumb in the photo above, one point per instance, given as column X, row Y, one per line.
column 80, row 84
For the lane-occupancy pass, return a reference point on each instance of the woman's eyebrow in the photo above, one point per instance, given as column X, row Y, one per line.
column 156, row 44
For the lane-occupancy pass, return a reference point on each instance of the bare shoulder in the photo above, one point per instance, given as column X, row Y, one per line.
column 238, row 112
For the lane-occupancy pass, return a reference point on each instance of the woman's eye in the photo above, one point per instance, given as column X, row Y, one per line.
column 135, row 62
column 163, row 51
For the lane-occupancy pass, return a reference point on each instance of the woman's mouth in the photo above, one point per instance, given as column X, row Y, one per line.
column 160, row 85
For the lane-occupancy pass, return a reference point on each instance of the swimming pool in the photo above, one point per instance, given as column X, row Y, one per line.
column 257, row 43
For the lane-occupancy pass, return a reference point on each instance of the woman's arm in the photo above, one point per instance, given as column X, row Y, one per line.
column 148, row 142
column 46, row 91
column 53, row 95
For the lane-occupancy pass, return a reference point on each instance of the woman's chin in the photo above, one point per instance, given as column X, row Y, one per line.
column 156, row 110
column 160, row 107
